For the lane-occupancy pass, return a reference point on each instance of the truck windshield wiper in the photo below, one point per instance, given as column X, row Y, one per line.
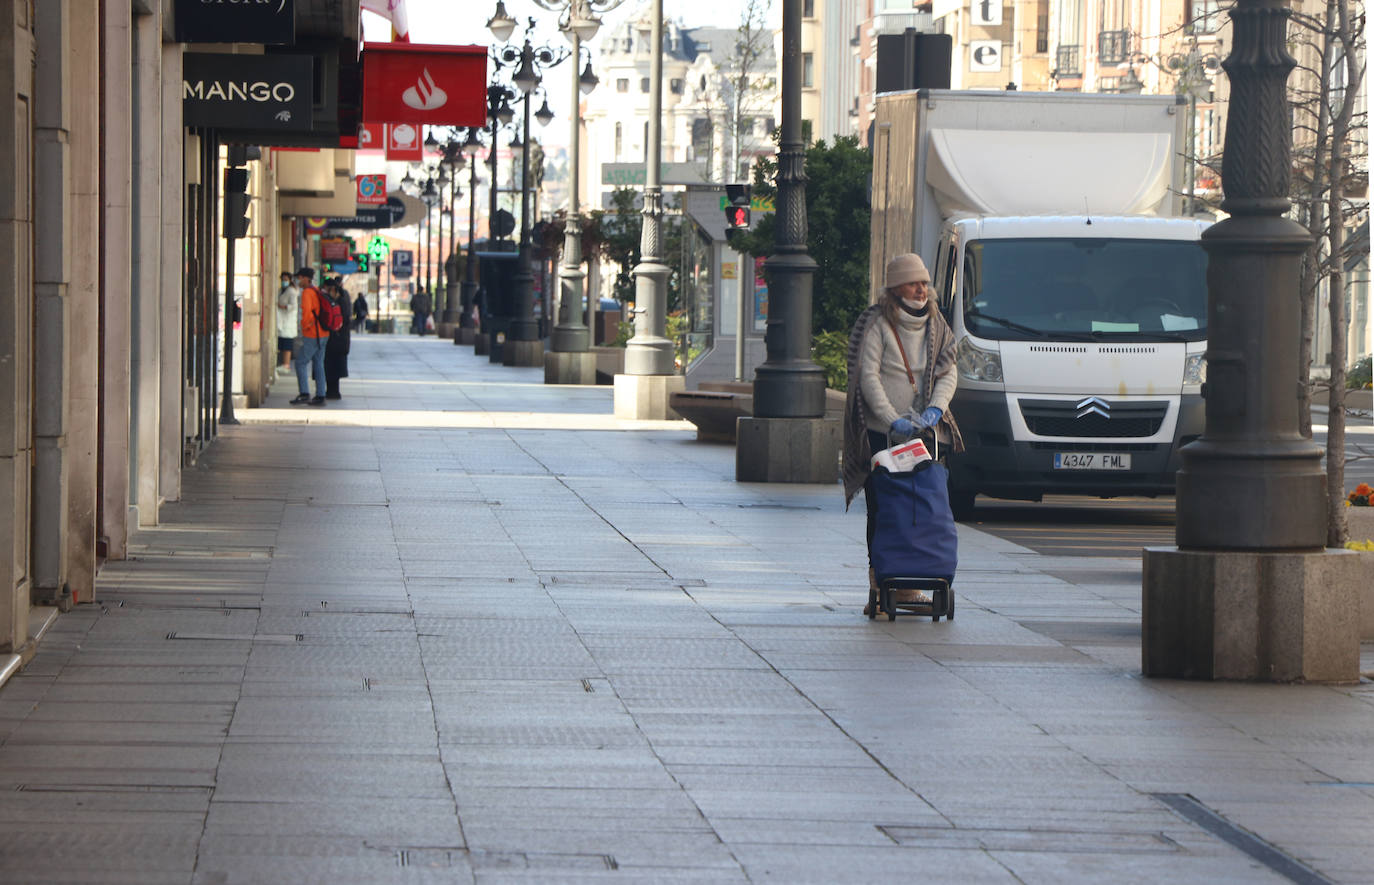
column 1135, row 335
column 978, row 314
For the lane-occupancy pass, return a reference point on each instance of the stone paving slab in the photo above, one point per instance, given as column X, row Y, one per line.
column 506, row 637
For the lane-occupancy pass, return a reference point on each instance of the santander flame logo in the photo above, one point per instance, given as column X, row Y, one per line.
column 425, row 95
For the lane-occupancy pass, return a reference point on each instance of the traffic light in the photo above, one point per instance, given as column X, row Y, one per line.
column 360, row 259
column 236, row 202
column 737, row 208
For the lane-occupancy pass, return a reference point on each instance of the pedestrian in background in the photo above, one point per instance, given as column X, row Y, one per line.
column 336, row 351
column 314, row 337
column 360, row 313
column 419, row 306
column 288, row 320
column 901, row 379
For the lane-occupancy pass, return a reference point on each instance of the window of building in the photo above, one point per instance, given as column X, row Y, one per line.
column 808, row 8
column 1042, row 26
column 1068, row 61
column 701, row 139
column 622, row 85
column 1111, row 47
column 1205, row 17
column 1069, row 26
column 619, row 139
column 808, row 70
column 676, row 86
column 643, row 84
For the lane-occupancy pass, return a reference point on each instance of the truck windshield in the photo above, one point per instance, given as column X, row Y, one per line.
column 1085, row 289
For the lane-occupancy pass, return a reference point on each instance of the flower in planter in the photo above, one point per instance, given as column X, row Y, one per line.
column 1360, row 497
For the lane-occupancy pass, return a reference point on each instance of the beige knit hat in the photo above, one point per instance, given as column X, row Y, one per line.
column 908, row 268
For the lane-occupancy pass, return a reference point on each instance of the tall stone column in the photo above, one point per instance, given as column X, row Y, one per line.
column 789, row 439
column 16, row 328
column 84, row 298
column 53, row 249
column 1249, row 593
column 649, row 380
column 116, row 110
column 146, row 246
column 172, row 385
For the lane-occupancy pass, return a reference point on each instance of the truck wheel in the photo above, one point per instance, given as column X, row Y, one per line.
column 961, row 503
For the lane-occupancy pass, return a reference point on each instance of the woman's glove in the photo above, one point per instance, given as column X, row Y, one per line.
column 929, row 418
column 903, row 427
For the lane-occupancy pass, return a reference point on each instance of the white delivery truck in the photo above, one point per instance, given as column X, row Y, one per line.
column 1077, row 294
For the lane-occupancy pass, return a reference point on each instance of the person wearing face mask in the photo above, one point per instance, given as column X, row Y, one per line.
column 901, row 379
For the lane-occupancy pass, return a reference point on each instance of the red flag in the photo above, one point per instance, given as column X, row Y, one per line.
column 421, row 83
column 403, row 143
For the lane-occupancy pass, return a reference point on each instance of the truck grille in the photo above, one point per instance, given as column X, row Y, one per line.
column 1093, row 417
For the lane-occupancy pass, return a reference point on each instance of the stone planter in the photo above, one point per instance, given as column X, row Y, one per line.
column 1359, row 523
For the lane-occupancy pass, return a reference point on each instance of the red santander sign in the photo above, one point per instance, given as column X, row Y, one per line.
column 425, row 83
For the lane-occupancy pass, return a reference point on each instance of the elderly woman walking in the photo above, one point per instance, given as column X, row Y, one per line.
column 901, row 379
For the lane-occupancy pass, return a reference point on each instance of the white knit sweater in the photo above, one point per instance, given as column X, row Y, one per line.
column 888, row 395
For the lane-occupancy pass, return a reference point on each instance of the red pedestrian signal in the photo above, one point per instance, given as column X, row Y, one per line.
column 736, row 208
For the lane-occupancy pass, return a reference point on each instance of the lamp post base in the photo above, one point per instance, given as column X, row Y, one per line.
column 1258, row 617
column 569, row 368
column 522, row 353
column 571, row 339
column 645, row 397
column 788, row 449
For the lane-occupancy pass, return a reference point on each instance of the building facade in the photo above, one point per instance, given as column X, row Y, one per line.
column 112, row 292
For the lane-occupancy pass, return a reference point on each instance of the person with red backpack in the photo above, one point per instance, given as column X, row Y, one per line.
column 314, row 337
column 336, row 351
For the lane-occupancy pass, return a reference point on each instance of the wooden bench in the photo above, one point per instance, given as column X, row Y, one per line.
column 714, row 412
column 718, row 404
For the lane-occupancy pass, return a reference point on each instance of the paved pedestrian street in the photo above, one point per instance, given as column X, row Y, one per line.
column 462, row 626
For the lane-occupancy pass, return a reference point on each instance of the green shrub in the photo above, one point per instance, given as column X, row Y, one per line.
column 828, row 350
column 1358, row 378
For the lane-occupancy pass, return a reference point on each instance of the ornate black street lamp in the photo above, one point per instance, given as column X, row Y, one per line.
column 1249, row 592
column 523, row 346
column 579, row 21
column 472, row 147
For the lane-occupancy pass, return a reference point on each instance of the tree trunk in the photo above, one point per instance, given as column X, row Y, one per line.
column 1316, row 226
column 1335, row 421
column 1335, row 428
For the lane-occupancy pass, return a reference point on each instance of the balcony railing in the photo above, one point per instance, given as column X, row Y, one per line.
column 1111, row 47
column 1068, row 61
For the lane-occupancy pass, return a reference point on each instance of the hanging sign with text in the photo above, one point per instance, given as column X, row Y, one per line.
column 271, row 22
column 259, row 92
column 371, row 190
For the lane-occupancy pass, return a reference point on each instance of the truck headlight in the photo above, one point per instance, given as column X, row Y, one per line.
column 977, row 364
column 1195, row 369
